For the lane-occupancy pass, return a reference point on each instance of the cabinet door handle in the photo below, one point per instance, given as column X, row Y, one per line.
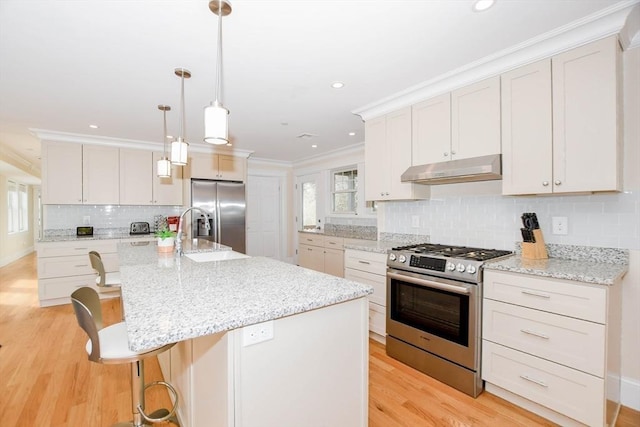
column 533, row 380
column 81, row 265
column 453, row 153
column 309, row 249
column 445, row 154
column 80, row 249
column 557, row 182
column 536, row 294
column 537, row 334
column 545, row 183
column 364, row 262
column 332, row 243
column 309, row 240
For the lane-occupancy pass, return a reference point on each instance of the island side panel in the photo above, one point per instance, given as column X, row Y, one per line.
column 314, row 372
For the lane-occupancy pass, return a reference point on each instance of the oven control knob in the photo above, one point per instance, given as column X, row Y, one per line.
column 471, row 269
column 451, row 266
column 402, row 258
column 392, row 257
column 460, row 268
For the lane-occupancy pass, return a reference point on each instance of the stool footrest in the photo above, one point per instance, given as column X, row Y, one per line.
column 161, row 415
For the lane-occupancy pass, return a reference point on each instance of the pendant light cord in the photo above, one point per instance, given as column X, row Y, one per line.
column 164, row 136
column 219, row 58
column 182, row 105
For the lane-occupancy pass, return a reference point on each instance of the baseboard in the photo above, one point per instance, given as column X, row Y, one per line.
column 630, row 393
column 15, row 256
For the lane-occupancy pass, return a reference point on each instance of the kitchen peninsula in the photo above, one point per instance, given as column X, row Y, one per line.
column 259, row 342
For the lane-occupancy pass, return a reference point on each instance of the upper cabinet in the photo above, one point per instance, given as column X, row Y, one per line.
column 216, row 166
column 104, row 175
column 458, row 125
column 139, row 182
column 61, row 173
column 475, row 120
column 387, row 156
column 77, row 174
column 559, row 123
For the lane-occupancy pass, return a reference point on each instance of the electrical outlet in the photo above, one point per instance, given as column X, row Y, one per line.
column 415, row 221
column 560, row 225
column 86, row 220
column 257, row 333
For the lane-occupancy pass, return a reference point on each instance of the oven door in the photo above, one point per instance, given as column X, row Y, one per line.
column 438, row 315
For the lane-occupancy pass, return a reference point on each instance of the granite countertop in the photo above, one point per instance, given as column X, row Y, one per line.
column 69, row 235
column 169, row 299
column 586, row 271
column 377, row 246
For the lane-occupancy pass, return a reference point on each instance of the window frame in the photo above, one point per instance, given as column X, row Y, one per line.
column 17, row 207
column 354, row 199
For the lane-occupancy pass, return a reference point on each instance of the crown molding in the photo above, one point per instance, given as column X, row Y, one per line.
column 604, row 23
column 76, row 138
column 340, row 153
column 260, row 161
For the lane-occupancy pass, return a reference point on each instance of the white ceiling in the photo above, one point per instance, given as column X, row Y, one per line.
column 66, row 64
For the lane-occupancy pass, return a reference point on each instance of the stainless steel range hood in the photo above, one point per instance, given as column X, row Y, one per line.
column 485, row 168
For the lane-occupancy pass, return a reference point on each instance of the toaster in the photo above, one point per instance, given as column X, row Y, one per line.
column 139, row 228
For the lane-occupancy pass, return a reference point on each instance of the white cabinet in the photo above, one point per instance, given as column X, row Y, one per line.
column 370, row 268
column 475, row 120
column 139, row 182
column 553, row 346
column 100, row 175
column 431, row 132
column 560, row 123
column 61, row 173
column 321, row 253
column 64, row 266
column 388, row 156
column 216, row 166
column 458, row 125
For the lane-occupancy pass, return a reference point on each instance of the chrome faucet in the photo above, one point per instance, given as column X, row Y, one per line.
column 179, row 235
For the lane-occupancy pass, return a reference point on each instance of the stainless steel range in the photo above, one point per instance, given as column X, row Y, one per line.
column 434, row 304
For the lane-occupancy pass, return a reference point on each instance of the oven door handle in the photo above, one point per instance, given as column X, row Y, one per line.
column 429, row 284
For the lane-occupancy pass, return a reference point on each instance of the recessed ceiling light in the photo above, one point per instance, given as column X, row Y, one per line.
column 314, row 146
column 93, row 126
column 337, row 85
column 169, row 137
column 482, row 5
column 352, row 133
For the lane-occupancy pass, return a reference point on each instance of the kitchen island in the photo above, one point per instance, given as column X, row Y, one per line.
column 259, row 342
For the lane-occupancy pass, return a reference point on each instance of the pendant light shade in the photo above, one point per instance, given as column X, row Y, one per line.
column 216, row 125
column 179, row 147
column 216, row 117
column 163, row 167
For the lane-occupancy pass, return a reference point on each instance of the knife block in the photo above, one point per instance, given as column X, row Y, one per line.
column 535, row 250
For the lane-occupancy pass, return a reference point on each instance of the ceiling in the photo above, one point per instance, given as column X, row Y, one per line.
column 67, row 64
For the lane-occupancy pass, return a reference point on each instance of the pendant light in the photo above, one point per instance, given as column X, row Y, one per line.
column 179, row 147
column 216, row 120
column 164, row 165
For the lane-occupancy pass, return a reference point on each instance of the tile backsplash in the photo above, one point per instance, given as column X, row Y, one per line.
column 102, row 216
column 493, row 221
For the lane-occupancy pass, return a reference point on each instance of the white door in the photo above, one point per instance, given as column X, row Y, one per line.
column 263, row 216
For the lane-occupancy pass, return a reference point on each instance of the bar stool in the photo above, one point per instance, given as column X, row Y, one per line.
column 109, row 345
column 105, row 280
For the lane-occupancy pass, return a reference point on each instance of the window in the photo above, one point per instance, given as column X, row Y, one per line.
column 344, row 184
column 17, row 207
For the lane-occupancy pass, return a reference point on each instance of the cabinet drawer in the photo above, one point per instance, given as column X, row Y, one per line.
column 565, row 390
column 334, row 242
column 76, row 265
column 58, row 249
column 377, row 319
column 571, row 342
column 310, row 239
column 379, row 283
column 552, row 295
column 370, row 262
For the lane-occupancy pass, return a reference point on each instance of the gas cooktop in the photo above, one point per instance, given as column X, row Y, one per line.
column 452, row 262
column 462, row 252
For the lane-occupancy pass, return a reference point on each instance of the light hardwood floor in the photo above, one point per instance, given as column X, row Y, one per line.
column 47, row 380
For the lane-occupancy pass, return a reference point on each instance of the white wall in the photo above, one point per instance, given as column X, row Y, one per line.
column 15, row 245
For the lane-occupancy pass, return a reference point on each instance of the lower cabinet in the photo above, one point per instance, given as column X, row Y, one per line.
column 553, row 346
column 370, row 268
column 321, row 253
column 64, row 266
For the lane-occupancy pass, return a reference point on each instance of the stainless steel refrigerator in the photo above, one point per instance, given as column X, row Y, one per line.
column 226, row 205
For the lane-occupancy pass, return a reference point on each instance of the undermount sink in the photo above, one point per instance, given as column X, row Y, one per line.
column 215, row 256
